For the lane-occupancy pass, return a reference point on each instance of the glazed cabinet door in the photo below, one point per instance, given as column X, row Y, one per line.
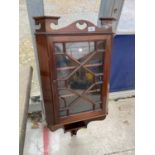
column 78, row 81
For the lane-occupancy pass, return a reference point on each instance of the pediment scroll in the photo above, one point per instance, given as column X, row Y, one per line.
column 49, row 24
column 42, row 22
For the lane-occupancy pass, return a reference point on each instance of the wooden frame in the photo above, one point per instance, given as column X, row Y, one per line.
column 80, row 31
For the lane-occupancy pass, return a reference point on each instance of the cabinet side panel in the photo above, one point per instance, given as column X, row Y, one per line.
column 45, row 77
column 107, row 73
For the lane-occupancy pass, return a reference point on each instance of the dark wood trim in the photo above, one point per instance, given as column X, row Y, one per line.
column 81, row 116
column 76, row 38
column 73, row 33
column 87, row 27
column 45, row 80
column 46, row 17
column 107, row 72
column 53, row 83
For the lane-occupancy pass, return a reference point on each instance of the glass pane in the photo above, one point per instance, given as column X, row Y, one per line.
column 79, row 50
column 64, row 65
column 81, row 79
column 80, row 76
column 95, row 93
column 100, row 45
column 58, row 48
column 80, row 106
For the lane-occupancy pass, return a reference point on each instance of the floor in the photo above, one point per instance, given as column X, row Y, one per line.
column 112, row 136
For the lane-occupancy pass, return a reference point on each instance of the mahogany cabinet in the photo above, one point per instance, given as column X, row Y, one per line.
column 74, row 64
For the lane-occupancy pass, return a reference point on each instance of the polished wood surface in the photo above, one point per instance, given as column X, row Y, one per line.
column 79, row 31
